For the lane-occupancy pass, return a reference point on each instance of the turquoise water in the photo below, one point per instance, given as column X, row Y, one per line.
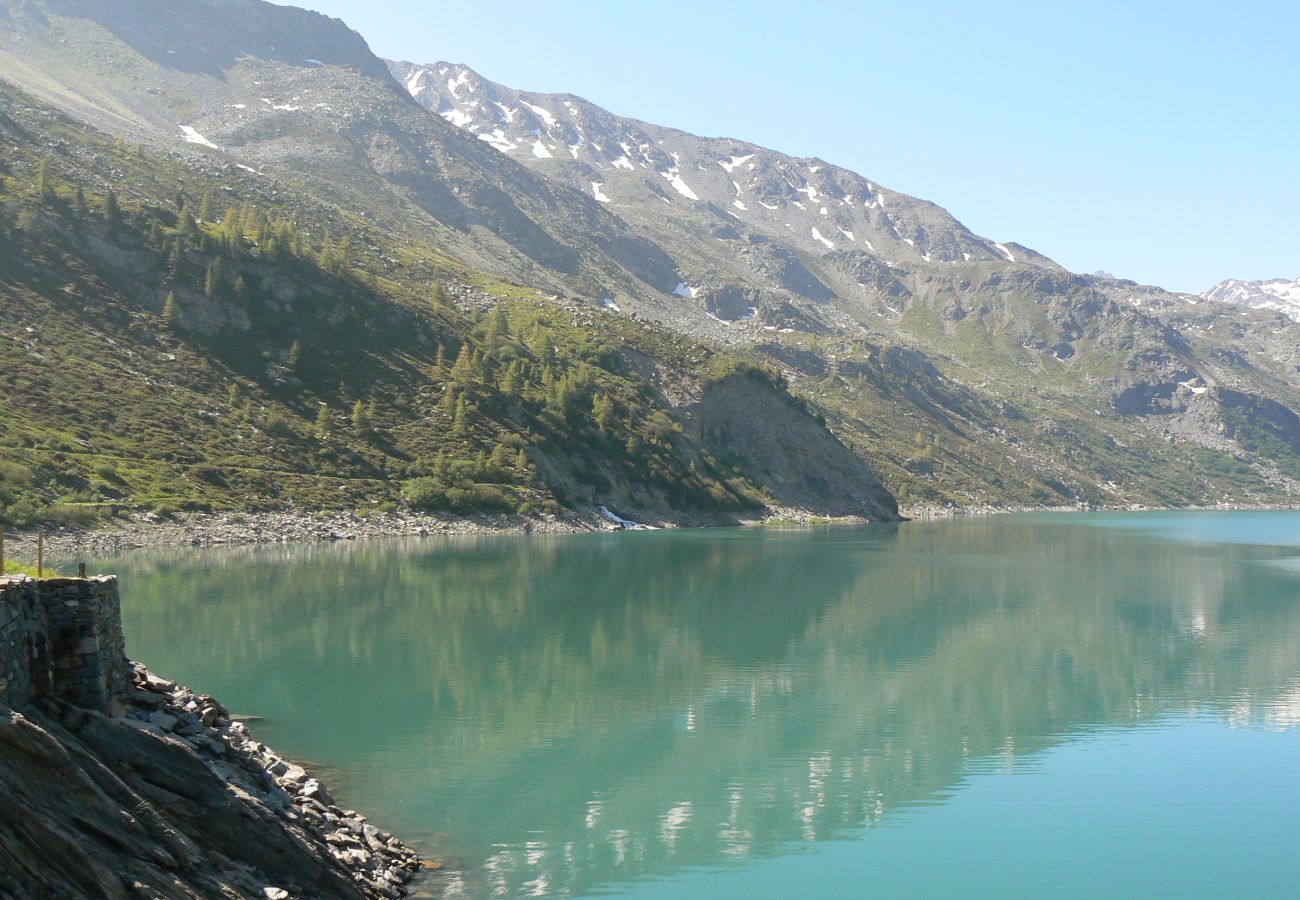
column 1080, row 705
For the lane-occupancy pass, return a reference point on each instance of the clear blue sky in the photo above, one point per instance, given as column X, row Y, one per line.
column 1159, row 141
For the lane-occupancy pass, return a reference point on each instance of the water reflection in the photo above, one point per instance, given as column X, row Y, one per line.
column 557, row 714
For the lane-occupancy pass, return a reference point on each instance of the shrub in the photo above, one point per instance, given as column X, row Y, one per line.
column 206, row 472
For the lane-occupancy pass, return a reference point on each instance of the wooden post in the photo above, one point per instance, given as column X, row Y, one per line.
column 2, row 549
column 81, row 570
column 40, row 553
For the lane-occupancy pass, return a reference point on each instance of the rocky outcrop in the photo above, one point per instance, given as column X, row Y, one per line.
column 157, row 792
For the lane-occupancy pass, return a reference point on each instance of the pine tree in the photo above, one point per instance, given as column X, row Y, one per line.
column 233, row 394
column 111, row 211
column 360, row 421
column 213, row 283
column 177, row 258
column 79, row 201
column 521, row 462
column 440, row 359
column 460, row 424
column 323, row 421
column 498, row 327
column 439, row 294
column 205, row 207
column 171, row 310
column 185, row 222
column 241, row 291
column 602, row 410
column 464, row 367
column 43, row 178
column 179, row 200
column 500, row 459
column 512, row 383
column 295, row 355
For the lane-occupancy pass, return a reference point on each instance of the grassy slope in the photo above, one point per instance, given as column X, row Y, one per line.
column 105, row 402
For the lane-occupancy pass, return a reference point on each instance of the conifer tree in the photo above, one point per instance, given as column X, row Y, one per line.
column 233, row 393
column 460, row 424
column 212, row 285
column 111, row 211
column 171, row 310
column 360, row 421
column 295, row 355
column 323, row 421
column 205, row 207
column 43, row 178
column 177, row 257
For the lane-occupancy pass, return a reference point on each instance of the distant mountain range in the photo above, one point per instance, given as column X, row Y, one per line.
column 1277, row 293
column 955, row 368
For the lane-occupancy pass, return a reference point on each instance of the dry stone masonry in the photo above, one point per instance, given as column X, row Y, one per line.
column 62, row 637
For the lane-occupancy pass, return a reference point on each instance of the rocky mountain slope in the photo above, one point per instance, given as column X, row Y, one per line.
column 1276, row 293
column 957, row 369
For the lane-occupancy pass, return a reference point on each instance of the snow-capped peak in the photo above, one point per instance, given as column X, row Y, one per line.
column 1277, row 293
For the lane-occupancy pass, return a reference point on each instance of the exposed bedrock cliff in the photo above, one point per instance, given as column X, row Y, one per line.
column 155, row 792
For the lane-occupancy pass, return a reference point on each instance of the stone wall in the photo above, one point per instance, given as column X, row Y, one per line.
column 62, row 637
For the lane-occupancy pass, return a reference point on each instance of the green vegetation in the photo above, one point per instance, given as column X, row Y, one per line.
column 159, row 360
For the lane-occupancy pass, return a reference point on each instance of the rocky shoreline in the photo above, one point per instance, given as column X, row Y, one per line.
column 242, row 528
column 378, row 863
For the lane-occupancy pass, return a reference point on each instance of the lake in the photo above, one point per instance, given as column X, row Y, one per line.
column 1073, row 704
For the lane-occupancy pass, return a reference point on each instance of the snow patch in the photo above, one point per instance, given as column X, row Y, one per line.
column 193, row 137
column 847, row 234
column 685, row 290
column 626, row 524
column 817, row 236
column 609, row 303
column 542, row 114
column 313, row 62
column 540, row 151
column 623, row 163
column 498, row 139
column 1005, row 252
column 597, row 192
column 508, row 111
column 456, row 117
column 681, row 187
column 735, row 161
column 739, row 205
column 767, row 205
column 455, row 84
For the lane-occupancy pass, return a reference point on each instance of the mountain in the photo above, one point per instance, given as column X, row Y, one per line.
column 764, row 330
column 1277, row 293
column 786, row 227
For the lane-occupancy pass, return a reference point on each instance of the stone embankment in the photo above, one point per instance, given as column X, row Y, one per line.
column 120, row 784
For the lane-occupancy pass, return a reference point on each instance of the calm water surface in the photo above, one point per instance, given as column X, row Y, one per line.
column 1084, row 705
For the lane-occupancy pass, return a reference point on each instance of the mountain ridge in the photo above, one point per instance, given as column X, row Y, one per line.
column 998, row 379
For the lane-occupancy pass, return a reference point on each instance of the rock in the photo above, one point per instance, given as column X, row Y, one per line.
column 209, row 716
column 275, row 893
column 158, row 685
column 314, row 790
column 164, row 720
